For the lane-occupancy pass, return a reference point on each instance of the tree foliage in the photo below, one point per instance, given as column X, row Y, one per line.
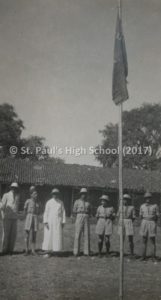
column 141, row 139
column 11, row 129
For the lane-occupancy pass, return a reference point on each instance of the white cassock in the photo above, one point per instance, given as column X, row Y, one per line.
column 54, row 215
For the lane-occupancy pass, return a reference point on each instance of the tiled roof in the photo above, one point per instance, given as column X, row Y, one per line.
column 50, row 173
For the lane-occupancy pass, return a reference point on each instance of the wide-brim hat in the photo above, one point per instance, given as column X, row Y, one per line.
column 32, row 189
column 14, row 185
column 127, row 196
column 104, row 197
column 147, row 195
column 83, row 191
column 55, row 191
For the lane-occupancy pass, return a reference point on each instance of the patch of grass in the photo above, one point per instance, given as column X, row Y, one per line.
column 68, row 278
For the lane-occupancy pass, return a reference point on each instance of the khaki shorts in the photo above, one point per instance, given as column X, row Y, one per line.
column 104, row 226
column 148, row 228
column 128, row 228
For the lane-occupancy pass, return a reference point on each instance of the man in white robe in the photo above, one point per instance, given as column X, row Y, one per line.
column 54, row 220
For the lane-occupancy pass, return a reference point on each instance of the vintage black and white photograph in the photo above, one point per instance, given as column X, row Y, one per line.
column 80, row 149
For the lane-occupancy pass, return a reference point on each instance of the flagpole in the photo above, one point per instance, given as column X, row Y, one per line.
column 121, row 274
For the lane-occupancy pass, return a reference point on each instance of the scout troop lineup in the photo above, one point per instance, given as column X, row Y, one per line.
column 54, row 220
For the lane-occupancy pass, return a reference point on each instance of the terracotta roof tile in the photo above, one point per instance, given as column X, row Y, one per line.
column 50, row 173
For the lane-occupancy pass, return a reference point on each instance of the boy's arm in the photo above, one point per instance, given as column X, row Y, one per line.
column 64, row 215
column 157, row 213
column 25, row 206
column 113, row 214
column 97, row 213
column 75, row 207
column 3, row 202
column 141, row 212
column 133, row 214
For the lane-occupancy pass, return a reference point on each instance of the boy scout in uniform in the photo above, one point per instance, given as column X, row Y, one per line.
column 128, row 219
column 105, row 216
column 31, row 209
column 149, row 214
column 9, row 209
column 82, row 211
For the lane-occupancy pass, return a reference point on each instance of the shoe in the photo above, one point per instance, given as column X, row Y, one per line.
column 143, row 258
column 46, row 256
column 154, row 259
column 33, row 253
column 76, row 255
column 108, row 254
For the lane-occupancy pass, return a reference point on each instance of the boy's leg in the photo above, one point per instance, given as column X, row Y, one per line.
column 131, row 244
column 27, row 240
column 144, row 247
column 100, row 243
column 33, row 241
column 107, row 242
column 153, row 241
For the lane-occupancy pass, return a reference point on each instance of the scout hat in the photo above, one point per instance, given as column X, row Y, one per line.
column 104, row 197
column 83, row 191
column 55, row 191
column 126, row 196
column 147, row 195
column 32, row 189
column 14, row 185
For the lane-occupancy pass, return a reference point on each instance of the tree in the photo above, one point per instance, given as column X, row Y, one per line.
column 34, row 148
column 10, row 128
column 141, row 139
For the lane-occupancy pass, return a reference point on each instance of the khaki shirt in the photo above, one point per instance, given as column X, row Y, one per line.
column 149, row 211
column 105, row 212
column 128, row 212
column 9, row 205
column 31, row 207
column 81, row 206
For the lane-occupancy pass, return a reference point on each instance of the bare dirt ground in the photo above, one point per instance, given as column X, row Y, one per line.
column 66, row 277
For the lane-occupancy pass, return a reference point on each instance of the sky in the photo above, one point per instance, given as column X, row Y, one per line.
column 56, row 59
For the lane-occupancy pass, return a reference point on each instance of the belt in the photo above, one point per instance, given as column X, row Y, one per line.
column 82, row 213
column 104, row 217
column 149, row 219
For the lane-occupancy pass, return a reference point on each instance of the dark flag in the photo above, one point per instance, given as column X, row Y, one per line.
column 120, row 67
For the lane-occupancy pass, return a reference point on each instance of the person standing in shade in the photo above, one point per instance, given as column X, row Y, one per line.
column 31, row 209
column 105, row 216
column 82, row 211
column 54, row 220
column 149, row 214
column 128, row 220
column 9, row 208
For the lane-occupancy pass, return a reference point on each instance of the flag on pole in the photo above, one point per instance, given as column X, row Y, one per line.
column 120, row 67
